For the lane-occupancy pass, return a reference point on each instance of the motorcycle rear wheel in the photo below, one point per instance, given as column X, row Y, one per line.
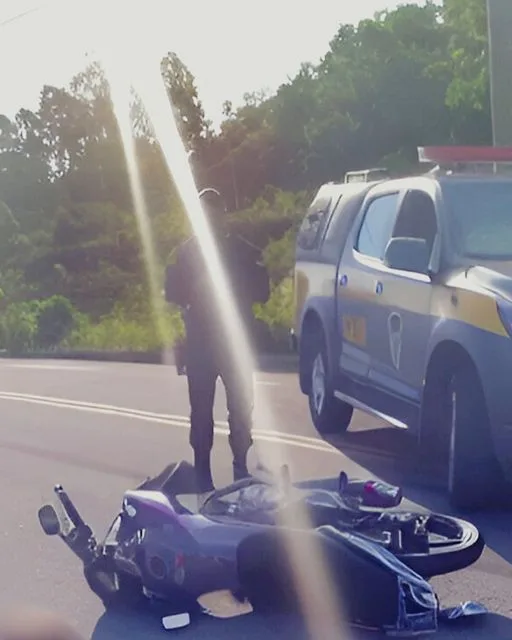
column 445, row 555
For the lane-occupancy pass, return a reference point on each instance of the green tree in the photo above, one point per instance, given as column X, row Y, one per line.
column 468, row 94
column 181, row 88
column 408, row 77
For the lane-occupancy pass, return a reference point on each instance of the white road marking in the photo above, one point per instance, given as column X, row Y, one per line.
column 162, row 418
column 55, row 367
column 128, row 410
column 50, row 366
column 256, row 381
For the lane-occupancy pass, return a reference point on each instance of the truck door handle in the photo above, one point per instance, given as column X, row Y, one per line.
column 379, row 288
column 342, row 279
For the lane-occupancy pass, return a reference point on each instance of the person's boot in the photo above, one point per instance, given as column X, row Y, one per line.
column 240, row 471
column 203, row 471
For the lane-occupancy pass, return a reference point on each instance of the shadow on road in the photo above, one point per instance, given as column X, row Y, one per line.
column 252, row 627
column 389, row 455
column 249, row 627
column 488, row 626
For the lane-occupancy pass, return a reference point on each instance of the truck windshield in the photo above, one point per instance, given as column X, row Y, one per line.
column 480, row 214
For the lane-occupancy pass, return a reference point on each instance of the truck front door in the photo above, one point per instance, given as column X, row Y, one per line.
column 398, row 362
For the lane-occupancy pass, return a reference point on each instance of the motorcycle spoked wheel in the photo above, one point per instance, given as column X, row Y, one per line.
column 446, row 554
column 115, row 589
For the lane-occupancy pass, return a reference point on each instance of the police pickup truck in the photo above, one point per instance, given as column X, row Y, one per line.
column 403, row 298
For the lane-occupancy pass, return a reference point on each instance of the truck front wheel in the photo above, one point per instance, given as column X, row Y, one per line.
column 457, row 428
column 330, row 415
column 473, row 470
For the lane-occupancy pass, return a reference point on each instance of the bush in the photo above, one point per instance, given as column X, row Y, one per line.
column 56, row 317
column 120, row 331
column 277, row 312
column 36, row 324
column 279, row 256
column 54, row 323
column 19, row 327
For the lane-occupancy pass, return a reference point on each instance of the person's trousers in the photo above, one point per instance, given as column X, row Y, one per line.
column 203, row 370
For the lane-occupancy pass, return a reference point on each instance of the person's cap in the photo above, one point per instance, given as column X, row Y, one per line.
column 212, row 201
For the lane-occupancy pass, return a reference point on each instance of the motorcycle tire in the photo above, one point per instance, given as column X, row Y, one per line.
column 451, row 557
column 114, row 589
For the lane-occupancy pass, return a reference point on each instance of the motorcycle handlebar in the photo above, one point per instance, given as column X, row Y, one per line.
column 69, row 507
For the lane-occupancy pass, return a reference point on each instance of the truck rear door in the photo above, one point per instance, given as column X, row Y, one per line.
column 358, row 286
column 311, row 273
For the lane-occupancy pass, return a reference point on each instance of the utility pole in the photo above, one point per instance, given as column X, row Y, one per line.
column 499, row 20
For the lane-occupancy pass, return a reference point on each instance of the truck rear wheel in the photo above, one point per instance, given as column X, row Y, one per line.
column 330, row 415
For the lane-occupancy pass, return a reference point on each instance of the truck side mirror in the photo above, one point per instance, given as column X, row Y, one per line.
column 407, row 254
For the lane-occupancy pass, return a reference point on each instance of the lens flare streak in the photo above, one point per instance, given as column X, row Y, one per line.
column 321, row 611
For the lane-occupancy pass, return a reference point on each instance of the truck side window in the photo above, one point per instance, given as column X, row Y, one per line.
column 314, row 222
column 417, row 218
column 377, row 226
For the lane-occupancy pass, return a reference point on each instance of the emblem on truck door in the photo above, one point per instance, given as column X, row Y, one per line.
column 395, row 338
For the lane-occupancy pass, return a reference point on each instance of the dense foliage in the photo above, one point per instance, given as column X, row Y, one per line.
column 73, row 271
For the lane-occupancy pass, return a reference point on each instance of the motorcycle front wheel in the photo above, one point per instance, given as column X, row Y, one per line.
column 114, row 589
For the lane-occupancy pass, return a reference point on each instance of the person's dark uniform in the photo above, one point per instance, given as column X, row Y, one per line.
column 208, row 355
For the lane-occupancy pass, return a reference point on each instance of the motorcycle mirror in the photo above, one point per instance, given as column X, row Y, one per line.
column 49, row 520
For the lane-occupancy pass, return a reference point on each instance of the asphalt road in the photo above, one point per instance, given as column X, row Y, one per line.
column 99, row 428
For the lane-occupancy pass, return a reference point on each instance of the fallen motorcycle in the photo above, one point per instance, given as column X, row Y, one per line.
column 169, row 545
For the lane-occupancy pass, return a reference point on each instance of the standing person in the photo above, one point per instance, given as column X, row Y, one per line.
column 205, row 355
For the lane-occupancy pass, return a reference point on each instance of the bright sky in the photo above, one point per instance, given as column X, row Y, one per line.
column 230, row 46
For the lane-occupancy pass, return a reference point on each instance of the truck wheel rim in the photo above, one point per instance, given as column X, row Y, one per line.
column 318, row 384
column 452, row 446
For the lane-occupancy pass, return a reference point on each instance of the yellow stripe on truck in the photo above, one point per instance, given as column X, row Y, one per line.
column 474, row 308
column 471, row 307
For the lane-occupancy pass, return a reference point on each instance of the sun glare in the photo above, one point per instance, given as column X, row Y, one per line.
column 322, row 613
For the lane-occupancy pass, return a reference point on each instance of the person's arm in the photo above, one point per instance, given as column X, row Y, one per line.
column 177, row 277
column 256, row 276
column 172, row 289
column 261, row 283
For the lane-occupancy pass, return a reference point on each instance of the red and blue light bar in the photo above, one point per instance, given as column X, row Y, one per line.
column 460, row 154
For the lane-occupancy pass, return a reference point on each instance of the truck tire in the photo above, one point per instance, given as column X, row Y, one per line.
column 473, row 470
column 330, row 415
column 458, row 429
